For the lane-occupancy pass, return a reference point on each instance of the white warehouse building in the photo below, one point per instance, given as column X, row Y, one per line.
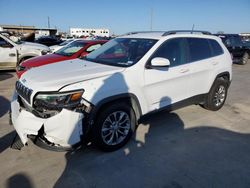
column 77, row 32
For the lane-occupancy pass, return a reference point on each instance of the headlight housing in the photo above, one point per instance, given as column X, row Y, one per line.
column 44, row 52
column 56, row 101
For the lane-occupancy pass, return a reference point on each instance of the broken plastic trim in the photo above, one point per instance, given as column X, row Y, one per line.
column 44, row 143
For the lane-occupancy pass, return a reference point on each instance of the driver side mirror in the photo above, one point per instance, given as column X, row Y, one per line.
column 159, row 62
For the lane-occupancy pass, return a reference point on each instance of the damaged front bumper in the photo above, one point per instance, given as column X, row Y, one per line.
column 62, row 130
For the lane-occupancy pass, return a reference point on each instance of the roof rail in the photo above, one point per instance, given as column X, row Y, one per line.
column 186, row 31
column 136, row 32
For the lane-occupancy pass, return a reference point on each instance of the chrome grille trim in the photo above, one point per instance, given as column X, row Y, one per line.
column 23, row 91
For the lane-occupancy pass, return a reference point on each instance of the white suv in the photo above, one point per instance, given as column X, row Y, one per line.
column 13, row 53
column 103, row 95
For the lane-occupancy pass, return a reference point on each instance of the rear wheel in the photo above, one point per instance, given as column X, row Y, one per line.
column 217, row 95
column 113, row 127
column 244, row 58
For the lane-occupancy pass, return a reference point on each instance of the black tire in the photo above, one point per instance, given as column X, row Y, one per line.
column 244, row 59
column 217, row 95
column 113, row 130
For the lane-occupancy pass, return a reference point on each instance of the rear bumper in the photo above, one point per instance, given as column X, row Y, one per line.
column 62, row 130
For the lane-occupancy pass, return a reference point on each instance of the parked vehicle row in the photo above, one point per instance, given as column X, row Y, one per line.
column 48, row 40
column 100, row 98
column 75, row 49
column 239, row 50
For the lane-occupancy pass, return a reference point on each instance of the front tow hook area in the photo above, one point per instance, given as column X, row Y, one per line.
column 16, row 143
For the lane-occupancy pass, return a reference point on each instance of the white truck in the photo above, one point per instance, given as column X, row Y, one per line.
column 13, row 53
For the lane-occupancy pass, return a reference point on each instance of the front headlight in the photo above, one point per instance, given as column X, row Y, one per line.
column 44, row 102
column 44, row 52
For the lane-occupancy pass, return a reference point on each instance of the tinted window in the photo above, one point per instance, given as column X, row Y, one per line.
column 71, row 48
column 4, row 43
column 216, row 48
column 93, row 47
column 198, row 49
column 173, row 50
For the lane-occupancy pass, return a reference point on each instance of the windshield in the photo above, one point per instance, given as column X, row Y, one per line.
column 65, row 42
column 121, row 51
column 12, row 38
column 71, row 48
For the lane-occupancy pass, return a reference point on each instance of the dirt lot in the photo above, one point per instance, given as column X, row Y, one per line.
column 190, row 147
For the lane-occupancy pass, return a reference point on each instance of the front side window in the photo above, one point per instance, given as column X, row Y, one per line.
column 173, row 50
column 4, row 43
column 71, row 48
column 122, row 52
column 198, row 49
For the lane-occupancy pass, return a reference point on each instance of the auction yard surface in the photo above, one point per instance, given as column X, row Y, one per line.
column 189, row 147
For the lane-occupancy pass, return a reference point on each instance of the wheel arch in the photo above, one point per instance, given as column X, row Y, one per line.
column 224, row 75
column 130, row 98
column 22, row 58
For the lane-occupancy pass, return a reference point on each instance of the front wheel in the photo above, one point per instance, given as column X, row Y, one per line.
column 114, row 126
column 217, row 95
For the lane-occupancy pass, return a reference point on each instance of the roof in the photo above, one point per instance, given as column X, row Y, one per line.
column 162, row 34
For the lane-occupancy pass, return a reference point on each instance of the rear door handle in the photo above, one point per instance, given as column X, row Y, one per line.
column 215, row 63
column 12, row 54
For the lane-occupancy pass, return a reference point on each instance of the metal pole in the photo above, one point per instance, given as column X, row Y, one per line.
column 48, row 22
column 151, row 19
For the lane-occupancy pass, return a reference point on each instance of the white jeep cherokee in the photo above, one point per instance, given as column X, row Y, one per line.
column 105, row 94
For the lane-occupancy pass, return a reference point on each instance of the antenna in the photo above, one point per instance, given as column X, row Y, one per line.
column 192, row 29
column 151, row 19
column 48, row 22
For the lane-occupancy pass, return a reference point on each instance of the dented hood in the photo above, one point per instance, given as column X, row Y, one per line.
column 53, row 77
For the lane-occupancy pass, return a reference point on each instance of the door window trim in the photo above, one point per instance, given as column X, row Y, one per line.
column 185, row 50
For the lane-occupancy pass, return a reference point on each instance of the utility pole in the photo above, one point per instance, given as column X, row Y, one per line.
column 151, row 19
column 192, row 28
column 48, row 22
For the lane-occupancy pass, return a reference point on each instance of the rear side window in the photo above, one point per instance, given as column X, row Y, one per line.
column 216, row 48
column 198, row 49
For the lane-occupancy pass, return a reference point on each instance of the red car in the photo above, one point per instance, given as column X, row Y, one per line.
column 78, row 48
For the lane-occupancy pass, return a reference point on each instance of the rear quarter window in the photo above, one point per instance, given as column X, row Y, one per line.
column 216, row 48
column 199, row 49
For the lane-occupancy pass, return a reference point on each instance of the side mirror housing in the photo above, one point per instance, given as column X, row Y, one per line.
column 159, row 62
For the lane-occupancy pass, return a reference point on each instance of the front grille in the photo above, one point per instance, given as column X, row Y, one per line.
column 23, row 91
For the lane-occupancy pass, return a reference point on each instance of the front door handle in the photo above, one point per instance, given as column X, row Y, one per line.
column 12, row 54
column 184, row 70
column 215, row 63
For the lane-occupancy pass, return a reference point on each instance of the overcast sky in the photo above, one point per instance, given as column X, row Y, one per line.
column 230, row 16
